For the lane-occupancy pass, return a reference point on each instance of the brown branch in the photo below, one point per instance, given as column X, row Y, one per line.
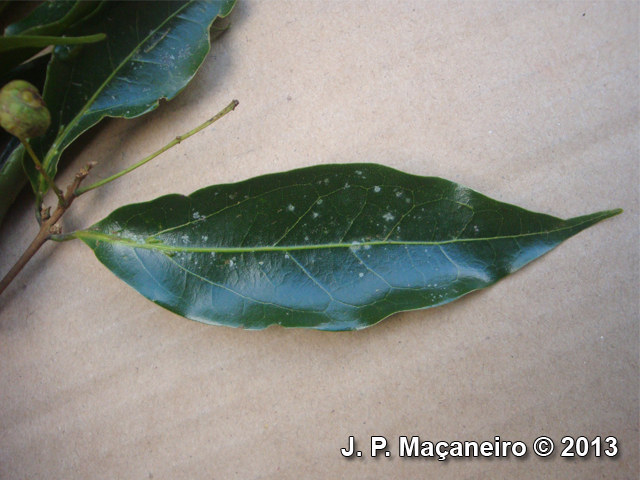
column 47, row 228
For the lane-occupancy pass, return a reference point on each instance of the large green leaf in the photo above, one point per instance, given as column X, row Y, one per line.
column 333, row 247
column 152, row 51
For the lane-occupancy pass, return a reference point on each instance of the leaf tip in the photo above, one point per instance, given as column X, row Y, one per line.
column 610, row 213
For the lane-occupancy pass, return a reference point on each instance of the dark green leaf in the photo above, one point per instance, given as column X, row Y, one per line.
column 333, row 247
column 152, row 51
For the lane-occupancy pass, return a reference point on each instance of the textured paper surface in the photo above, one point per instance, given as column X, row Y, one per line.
column 535, row 104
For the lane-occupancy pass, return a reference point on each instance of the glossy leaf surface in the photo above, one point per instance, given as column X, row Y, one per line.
column 152, row 51
column 334, row 247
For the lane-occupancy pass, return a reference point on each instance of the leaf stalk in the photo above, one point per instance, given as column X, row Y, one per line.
column 23, row 41
column 169, row 145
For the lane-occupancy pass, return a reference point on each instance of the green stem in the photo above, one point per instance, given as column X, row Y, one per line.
column 23, row 41
column 43, row 172
column 177, row 140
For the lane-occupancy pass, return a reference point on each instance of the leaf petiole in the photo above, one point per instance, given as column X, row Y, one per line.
column 62, row 237
column 25, row 41
column 174, row 142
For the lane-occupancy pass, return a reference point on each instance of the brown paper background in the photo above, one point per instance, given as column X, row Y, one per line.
column 532, row 103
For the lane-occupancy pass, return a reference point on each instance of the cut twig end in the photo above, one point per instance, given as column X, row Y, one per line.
column 84, row 171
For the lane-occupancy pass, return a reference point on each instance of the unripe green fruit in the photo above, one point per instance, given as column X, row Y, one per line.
column 23, row 113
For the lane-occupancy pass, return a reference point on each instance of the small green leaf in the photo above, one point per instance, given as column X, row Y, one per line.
column 152, row 51
column 333, row 247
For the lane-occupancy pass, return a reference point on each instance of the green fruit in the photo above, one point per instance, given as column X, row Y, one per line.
column 23, row 113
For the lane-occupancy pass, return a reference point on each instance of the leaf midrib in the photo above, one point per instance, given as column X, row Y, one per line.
column 114, row 240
